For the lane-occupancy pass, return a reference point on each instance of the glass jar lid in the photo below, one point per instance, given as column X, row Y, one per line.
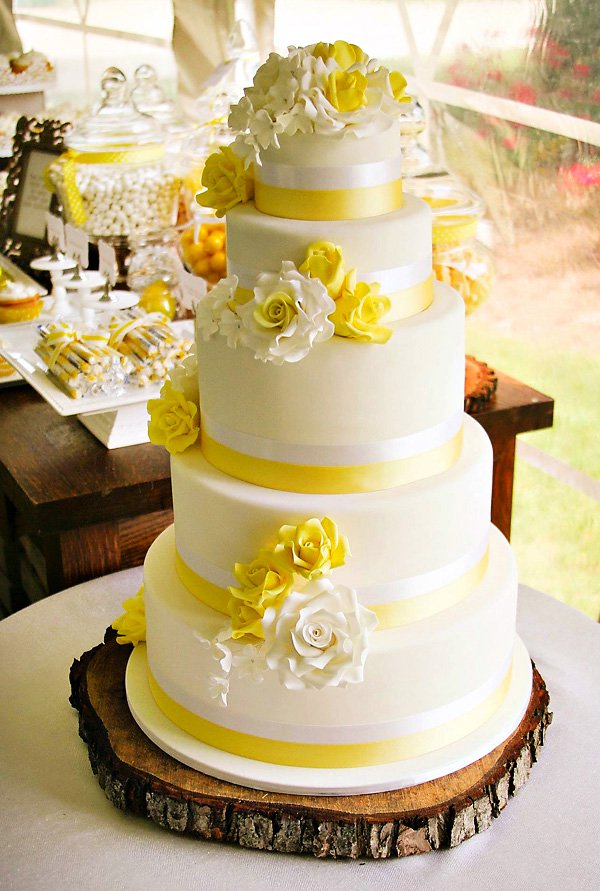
column 115, row 123
column 149, row 98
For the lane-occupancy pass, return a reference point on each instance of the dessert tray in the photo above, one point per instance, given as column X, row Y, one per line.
column 116, row 420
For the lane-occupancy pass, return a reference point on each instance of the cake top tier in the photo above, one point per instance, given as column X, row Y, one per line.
column 331, row 89
column 316, row 137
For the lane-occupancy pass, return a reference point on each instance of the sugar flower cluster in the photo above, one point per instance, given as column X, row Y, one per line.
column 324, row 88
column 291, row 617
column 290, row 311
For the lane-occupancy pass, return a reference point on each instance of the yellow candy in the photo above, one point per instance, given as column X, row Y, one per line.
column 202, row 266
column 215, row 242
column 195, row 252
column 206, row 257
column 157, row 297
column 218, row 262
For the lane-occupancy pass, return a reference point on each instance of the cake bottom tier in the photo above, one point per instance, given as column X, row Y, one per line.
column 428, row 687
column 255, row 774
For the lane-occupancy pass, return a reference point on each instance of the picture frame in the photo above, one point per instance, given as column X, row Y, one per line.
column 26, row 198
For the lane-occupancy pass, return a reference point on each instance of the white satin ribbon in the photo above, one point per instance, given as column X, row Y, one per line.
column 398, row 278
column 390, row 280
column 324, row 179
column 333, row 455
column 341, row 733
column 373, row 595
column 425, row 582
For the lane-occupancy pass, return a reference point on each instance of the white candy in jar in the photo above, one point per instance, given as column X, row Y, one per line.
column 119, row 200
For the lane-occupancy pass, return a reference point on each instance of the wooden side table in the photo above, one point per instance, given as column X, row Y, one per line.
column 516, row 408
column 72, row 510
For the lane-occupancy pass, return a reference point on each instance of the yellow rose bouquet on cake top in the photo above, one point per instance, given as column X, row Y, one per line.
column 322, row 88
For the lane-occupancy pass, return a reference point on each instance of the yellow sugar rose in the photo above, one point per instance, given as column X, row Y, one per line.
column 346, row 90
column 174, row 422
column 358, row 311
column 226, row 180
column 398, row 85
column 313, row 548
column 131, row 626
column 345, row 54
column 278, row 310
column 264, row 582
column 325, row 261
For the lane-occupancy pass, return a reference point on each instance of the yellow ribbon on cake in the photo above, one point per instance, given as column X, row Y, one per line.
column 328, row 204
column 389, row 615
column 331, row 480
column 324, row 755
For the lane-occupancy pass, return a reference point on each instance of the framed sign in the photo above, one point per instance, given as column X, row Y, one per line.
column 27, row 199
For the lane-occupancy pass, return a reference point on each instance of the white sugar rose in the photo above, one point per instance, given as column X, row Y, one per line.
column 319, row 637
column 216, row 313
column 184, row 377
column 287, row 316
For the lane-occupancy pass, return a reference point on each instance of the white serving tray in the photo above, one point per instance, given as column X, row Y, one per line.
column 115, row 420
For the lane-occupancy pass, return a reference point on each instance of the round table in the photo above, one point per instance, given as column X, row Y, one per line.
column 59, row 832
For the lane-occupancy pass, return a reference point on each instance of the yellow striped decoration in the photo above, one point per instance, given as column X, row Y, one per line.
column 115, row 155
column 324, row 755
column 455, row 231
column 330, row 204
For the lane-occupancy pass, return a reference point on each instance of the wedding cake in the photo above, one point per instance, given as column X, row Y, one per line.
column 331, row 610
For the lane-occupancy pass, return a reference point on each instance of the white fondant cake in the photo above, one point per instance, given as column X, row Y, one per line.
column 332, row 595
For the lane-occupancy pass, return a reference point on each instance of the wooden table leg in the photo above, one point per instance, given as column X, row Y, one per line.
column 502, row 482
column 76, row 555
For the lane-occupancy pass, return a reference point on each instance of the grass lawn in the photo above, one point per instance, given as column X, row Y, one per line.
column 556, row 529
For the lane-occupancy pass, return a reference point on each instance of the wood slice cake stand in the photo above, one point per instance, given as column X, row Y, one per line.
column 140, row 778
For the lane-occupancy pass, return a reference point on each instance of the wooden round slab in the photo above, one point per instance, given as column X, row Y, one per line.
column 481, row 383
column 138, row 777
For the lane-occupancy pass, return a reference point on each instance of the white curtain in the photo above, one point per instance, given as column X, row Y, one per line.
column 200, row 32
column 10, row 42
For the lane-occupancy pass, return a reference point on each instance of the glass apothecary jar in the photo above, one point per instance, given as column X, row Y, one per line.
column 415, row 160
column 115, row 178
column 208, row 135
column 460, row 259
column 203, row 248
column 153, row 273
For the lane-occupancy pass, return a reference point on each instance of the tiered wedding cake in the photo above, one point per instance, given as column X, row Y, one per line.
column 332, row 610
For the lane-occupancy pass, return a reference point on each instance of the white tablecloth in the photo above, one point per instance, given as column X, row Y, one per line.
column 57, row 830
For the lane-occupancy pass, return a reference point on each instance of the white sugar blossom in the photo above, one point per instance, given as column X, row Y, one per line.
column 249, row 662
column 184, row 377
column 213, row 311
column 218, row 688
column 319, row 638
column 287, row 315
column 292, row 94
column 218, row 683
